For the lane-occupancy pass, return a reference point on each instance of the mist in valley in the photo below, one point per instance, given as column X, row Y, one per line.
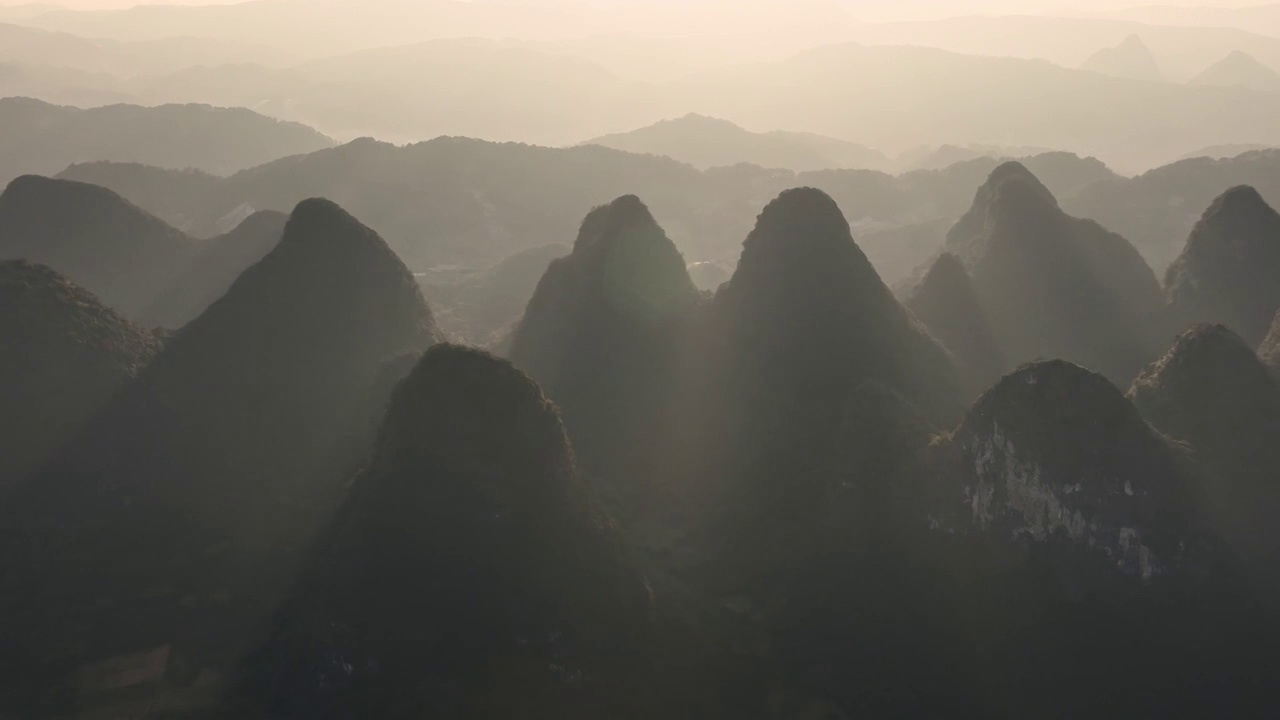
column 649, row 359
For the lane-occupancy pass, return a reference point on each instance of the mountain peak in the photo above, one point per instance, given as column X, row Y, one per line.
column 600, row 330
column 1204, row 353
column 64, row 355
column 95, row 237
column 1131, row 59
column 1054, row 450
column 1229, row 270
column 948, row 305
column 1239, row 68
column 1211, row 391
column 472, row 484
column 476, row 410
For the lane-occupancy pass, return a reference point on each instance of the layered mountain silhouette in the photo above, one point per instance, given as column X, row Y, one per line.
column 1229, row 271
column 1131, row 59
column 1211, row 391
column 1239, row 69
column 707, row 142
column 141, row 266
column 41, row 138
column 1055, row 452
column 64, row 356
column 946, row 302
column 121, row 253
column 470, row 572
column 602, row 331
column 463, row 190
column 1055, row 286
column 214, row 269
column 804, row 323
column 225, row 456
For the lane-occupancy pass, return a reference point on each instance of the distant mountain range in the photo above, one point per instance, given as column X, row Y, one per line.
column 40, row 138
column 706, row 142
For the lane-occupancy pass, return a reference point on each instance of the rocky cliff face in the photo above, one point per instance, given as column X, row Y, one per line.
column 1269, row 349
column 1055, row 453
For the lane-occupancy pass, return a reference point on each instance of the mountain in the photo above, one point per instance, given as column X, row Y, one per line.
column 1130, row 59
column 43, row 139
column 1211, row 391
column 114, row 249
column 470, row 567
column 948, row 305
column 710, row 142
column 1229, row 271
column 217, row 266
column 1055, row 286
column 214, row 470
column 1055, row 453
column 64, row 356
column 601, row 334
column 1239, row 69
column 1158, row 209
column 804, row 324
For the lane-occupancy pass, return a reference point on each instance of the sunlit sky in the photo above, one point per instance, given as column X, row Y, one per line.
column 867, row 8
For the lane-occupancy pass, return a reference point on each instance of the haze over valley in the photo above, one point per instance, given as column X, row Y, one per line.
column 639, row 359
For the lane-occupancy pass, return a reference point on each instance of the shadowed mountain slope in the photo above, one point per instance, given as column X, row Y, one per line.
column 220, row 262
column 1052, row 285
column 1229, row 271
column 99, row 240
column 803, row 325
column 1211, row 391
column 64, row 356
column 470, row 569
column 602, row 330
column 208, row 475
column 946, row 302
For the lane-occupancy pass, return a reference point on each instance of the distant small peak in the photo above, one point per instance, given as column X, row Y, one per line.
column 605, row 222
column 946, row 270
column 803, row 200
column 1240, row 203
column 1013, row 185
column 1242, row 195
column 1133, row 41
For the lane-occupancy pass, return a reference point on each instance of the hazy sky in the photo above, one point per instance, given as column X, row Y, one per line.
column 868, row 7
